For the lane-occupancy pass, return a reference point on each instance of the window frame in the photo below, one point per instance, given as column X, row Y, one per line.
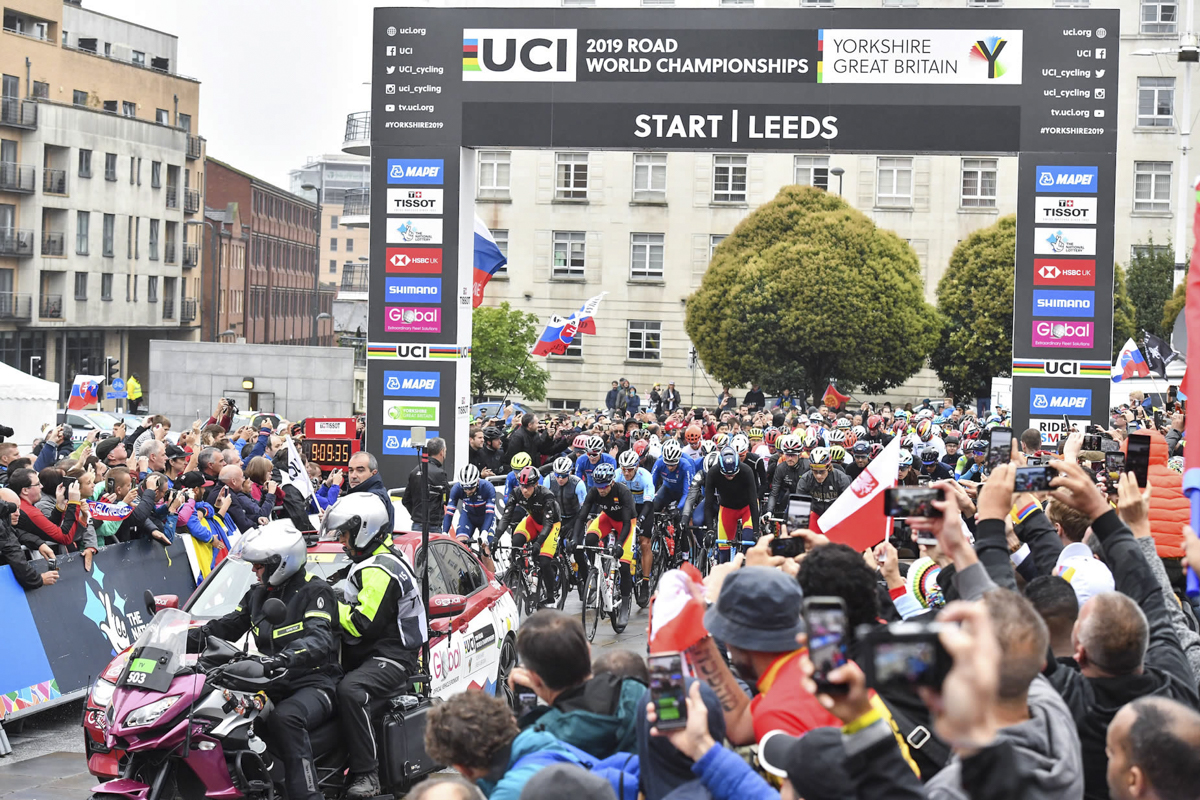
column 106, row 282
column 894, row 166
column 78, row 294
column 489, row 163
column 642, row 327
column 83, row 232
column 978, row 167
column 730, row 193
column 85, row 163
column 501, row 237
column 1157, row 180
column 810, row 163
column 568, row 271
column 1158, row 25
column 649, row 165
column 1155, row 87
column 641, row 269
column 574, row 164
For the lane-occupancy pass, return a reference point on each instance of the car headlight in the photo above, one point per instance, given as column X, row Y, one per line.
column 102, row 693
column 150, row 714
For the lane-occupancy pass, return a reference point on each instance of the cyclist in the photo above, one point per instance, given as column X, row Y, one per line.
column 539, row 526
column 757, row 445
column 615, row 503
column 823, row 483
column 672, row 476
column 741, row 444
column 731, row 499
column 787, row 472
column 592, row 457
column 641, row 486
column 932, row 468
column 923, row 438
column 569, row 491
column 862, row 457
column 907, row 476
column 693, row 506
column 972, row 463
column 475, row 502
column 952, row 441
column 519, row 462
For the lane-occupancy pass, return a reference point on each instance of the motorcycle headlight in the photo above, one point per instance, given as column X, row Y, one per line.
column 149, row 714
column 102, row 693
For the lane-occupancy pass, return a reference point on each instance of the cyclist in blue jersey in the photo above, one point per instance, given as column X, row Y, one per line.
column 641, row 486
column 593, row 457
column 475, row 502
column 672, row 475
column 972, row 463
column 519, row 462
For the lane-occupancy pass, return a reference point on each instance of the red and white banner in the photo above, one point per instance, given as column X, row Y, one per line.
column 856, row 518
column 677, row 616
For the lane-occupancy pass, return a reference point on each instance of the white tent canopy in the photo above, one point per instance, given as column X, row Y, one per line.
column 26, row 403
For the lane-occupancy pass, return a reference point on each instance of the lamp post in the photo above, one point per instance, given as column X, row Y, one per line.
column 839, row 172
column 216, row 304
column 320, row 190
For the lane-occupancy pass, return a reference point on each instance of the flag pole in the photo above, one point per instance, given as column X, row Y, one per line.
column 508, row 391
column 1158, row 390
column 1191, row 455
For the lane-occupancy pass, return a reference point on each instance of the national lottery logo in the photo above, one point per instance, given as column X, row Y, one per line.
column 414, row 231
column 1064, row 241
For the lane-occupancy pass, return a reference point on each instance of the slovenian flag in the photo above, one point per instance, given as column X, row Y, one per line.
column 85, row 391
column 1130, row 363
column 556, row 337
column 488, row 259
column 585, row 316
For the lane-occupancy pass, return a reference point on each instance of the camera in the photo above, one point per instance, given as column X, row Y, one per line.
column 7, row 509
column 231, row 406
column 5, row 432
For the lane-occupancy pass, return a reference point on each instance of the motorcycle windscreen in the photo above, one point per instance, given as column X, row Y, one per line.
column 149, row 669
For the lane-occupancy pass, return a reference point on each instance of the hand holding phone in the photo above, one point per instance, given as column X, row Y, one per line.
column 825, row 622
column 667, row 691
column 1137, row 457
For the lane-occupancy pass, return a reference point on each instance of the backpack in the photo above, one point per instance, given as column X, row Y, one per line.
column 622, row 771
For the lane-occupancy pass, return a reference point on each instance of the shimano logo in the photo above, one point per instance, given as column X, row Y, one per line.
column 1057, row 302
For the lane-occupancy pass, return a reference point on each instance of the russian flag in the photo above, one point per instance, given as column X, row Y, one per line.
column 85, row 391
column 488, row 259
column 1130, row 363
column 556, row 337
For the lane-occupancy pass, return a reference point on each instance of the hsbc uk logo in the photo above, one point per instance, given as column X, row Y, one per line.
column 1064, row 272
column 414, row 260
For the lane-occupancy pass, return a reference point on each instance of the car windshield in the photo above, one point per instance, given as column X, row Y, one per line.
column 232, row 579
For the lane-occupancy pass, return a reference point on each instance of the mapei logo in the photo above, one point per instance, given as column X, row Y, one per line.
column 1077, row 401
column 414, row 260
column 519, row 54
column 414, row 231
column 1064, row 242
column 416, row 290
column 989, row 49
column 1048, row 302
column 1068, row 179
column 1064, row 272
column 416, row 170
column 1065, row 211
column 399, row 442
column 411, row 384
column 414, row 201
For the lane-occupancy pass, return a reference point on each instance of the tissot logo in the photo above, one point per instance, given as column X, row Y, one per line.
column 519, row 54
column 1065, row 211
column 414, row 201
column 414, row 260
column 1064, row 272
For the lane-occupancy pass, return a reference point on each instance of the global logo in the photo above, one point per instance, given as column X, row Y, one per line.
column 409, row 319
column 989, row 49
column 1063, row 334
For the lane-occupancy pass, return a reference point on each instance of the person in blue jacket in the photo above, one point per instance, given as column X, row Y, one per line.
column 593, row 456
column 475, row 501
column 672, row 475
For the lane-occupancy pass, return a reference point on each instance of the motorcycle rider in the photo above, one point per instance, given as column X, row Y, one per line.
column 303, row 647
column 382, row 623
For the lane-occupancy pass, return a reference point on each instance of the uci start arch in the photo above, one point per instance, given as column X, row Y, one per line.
column 1041, row 84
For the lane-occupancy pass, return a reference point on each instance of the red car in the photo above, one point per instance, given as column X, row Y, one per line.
column 476, row 649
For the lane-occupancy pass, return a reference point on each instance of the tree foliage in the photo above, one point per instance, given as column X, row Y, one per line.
column 1124, row 314
column 807, row 289
column 975, row 299
column 1173, row 308
column 1151, row 281
column 501, row 338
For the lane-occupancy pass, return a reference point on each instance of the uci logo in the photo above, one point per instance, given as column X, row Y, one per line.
column 519, row 54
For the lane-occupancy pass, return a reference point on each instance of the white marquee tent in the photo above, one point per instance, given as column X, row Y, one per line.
column 26, row 403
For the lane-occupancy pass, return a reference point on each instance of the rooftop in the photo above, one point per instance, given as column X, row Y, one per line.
column 261, row 182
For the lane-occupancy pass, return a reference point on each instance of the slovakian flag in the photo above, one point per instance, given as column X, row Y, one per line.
column 677, row 616
column 488, row 259
column 856, row 518
column 833, row 398
column 585, row 316
column 556, row 337
column 1130, row 363
column 85, row 391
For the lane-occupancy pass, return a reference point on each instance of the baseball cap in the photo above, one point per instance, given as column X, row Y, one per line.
column 192, row 480
column 815, row 763
column 107, row 446
column 175, row 451
column 758, row 609
column 1087, row 575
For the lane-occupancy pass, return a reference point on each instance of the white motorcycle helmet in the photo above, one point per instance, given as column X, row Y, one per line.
column 363, row 516
column 277, row 546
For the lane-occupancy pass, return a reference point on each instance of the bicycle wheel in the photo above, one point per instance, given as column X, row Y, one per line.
column 659, row 565
column 591, row 603
column 564, row 582
column 515, row 582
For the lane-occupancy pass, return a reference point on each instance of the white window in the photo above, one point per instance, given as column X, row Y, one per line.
column 1152, row 186
column 501, row 237
column 1148, row 250
column 646, row 256
column 811, row 171
column 729, row 179
column 650, row 177
column 645, row 340
column 984, row 3
column 978, row 183
column 817, row 3
column 714, row 239
column 139, row 58
column 894, row 182
column 1071, row 3
column 1156, row 102
column 736, row 3
column 571, row 176
column 567, row 405
column 574, row 349
column 579, row 2
column 570, row 254
column 1159, row 16
column 495, row 171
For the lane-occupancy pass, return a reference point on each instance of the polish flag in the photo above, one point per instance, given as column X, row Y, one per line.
column 856, row 518
column 677, row 616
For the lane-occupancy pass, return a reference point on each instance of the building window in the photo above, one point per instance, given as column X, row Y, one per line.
column 110, row 166
column 1148, row 250
column 110, row 223
column 714, row 239
column 349, row 245
column 129, row 237
column 817, row 3
column 106, row 286
column 1156, row 103
column 155, row 174
column 154, row 240
column 185, row 122
column 1152, row 186
column 729, row 179
column 575, row 348
column 646, row 256
column 501, row 237
column 811, row 171
column 570, row 253
column 899, row 3
column 132, row 170
column 979, row 183
column 162, row 116
column 650, row 177
column 1070, row 3
column 746, row 3
column 41, row 90
column 495, row 171
column 169, row 296
column 83, row 221
column 128, row 109
column 80, row 98
column 571, row 182
column 152, row 289
column 333, row 222
column 575, row 405
column 139, row 58
column 333, row 266
column 1159, row 16
column 85, row 163
column 81, row 280
column 984, row 3
column 333, row 245
column 894, row 182
column 645, row 340
column 110, row 106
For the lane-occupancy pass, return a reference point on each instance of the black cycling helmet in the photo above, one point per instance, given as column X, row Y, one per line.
column 491, row 432
column 528, row 476
column 729, row 462
column 929, row 456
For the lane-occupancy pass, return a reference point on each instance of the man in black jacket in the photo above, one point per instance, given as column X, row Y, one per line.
column 490, row 458
column 527, row 439
column 755, row 400
column 10, row 547
column 362, row 475
column 427, row 501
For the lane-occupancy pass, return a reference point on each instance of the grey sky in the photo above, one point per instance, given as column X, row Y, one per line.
column 278, row 77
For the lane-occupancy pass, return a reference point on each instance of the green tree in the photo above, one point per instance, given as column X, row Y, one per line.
column 1173, row 307
column 501, row 339
column 975, row 299
column 1151, row 282
column 1124, row 314
column 807, row 289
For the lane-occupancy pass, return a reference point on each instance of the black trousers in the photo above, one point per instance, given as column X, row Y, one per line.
column 361, row 695
column 287, row 737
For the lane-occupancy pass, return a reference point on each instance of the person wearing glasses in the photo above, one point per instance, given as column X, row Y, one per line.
column 822, row 483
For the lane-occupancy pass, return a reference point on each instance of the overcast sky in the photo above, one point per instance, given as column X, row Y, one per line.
column 277, row 77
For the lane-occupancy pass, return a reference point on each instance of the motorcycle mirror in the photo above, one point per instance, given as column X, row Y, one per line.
column 274, row 611
column 148, row 600
column 442, row 606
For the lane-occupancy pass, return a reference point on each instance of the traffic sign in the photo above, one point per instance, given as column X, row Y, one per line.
column 118, row 385
column 111, row 395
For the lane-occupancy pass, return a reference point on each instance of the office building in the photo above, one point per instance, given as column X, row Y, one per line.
column 345, row 184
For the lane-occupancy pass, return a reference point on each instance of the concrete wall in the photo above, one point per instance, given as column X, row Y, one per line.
column 307, row 381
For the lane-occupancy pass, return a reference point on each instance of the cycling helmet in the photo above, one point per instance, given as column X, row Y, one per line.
column 278, row 546
column 364, row 517
column 640, row 446
column 978, row 446
column 492, row 432
column 969, row 427
column 838, row 454
column 843, row 423
column 876, row 449
column 859, row 432
column 636, row 435
column 905, row 458
column 820, row 457
column 692, row 435
column 653, row 439
column 874, row 422
column 529, row 476
column 952, row 438
column 924, row 430
column 580, row 442
column 899, row 426
column 902, row 414
column 654, row 449
column 861, row 450
column 520, row 461
column 708, row 446
column 925, row 413
column 771, row 437
column 837, row 436
column 740, row 443
column 603, row 475
column 711, row 460
column 729, row 461
column 594, row 445
column 628, row 459
column 791, row 445
column 929, row 456
column 563, row 466
column 671, row 452
column 721, row 439
column 851, row 439
column 810, row 440
column 755, row 433
column 468, row 476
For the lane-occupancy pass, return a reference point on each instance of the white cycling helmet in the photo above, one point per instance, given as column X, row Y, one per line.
column 671, row 452
column 468, row 476
column 740, row 442
column 628, row 459
column 594, row 445
column 563, row 466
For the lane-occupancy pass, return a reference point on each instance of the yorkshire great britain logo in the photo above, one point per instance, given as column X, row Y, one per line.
column 989, row 49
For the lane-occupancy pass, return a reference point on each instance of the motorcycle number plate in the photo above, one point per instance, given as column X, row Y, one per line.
column 147, row 669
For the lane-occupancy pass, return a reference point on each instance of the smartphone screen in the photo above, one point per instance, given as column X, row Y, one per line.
column 825, row 621
column 1114, row 464
column 527, row 700
column 1000, row 447
column 1137, row 457
column 1033, row 479
column 799, row 511
column 911, row 501
column 667, row 690
column 788, row 548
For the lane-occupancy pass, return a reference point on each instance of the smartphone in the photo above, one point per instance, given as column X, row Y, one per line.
column 904, row 654
column 825, row 622
column 799, row 511
column 52, row 563
column 66, row 482
column 999, row 447
column 527, row 700
column 1137, row 457
column 1158, row 420
column 1067, row 422
column 1033, row 479
column 1114, row 464
column 667, row 690
column 911, row 501
column 788, row 548
column 1092, row 441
